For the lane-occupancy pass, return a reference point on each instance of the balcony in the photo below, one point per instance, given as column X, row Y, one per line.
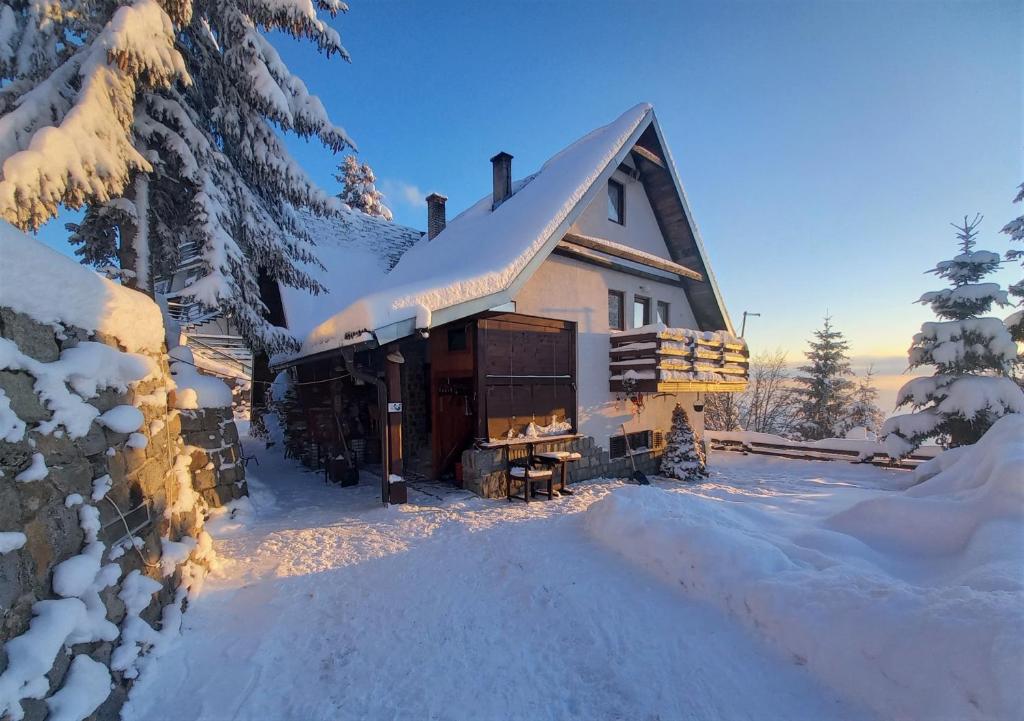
column 657, row 359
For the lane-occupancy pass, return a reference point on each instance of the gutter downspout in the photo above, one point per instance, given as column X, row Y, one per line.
column 382, row 401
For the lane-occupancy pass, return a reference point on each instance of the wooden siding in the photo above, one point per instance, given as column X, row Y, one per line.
column 675, row 227
column 649, row 354
column 526, row 372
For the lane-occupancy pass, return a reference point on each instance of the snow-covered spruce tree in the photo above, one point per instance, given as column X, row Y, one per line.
column 972, row 356
column 359, row 189
column 863, row 411
column 162, row 119
column 823, row 389
column 1015, row 229
column 684, row 456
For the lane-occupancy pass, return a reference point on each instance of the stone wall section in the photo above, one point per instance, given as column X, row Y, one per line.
column 484, row 471
column 218, row 468
column 163, row 478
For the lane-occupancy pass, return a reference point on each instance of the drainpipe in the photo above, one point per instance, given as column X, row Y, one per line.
column 367, row 376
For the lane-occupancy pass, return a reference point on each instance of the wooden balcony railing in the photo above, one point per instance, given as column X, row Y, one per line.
column 657, row 359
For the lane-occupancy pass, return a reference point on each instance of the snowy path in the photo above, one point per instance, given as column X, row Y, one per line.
column 453, row 608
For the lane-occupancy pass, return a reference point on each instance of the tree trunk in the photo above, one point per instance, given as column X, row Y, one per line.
column 133, row 251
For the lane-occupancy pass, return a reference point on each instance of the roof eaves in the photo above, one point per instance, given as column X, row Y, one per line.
column 698, row 240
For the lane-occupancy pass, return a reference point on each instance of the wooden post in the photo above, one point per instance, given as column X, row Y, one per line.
column 393, row 377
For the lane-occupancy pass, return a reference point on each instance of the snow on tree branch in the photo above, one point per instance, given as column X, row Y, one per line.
column 972, row 357
column 87, row 153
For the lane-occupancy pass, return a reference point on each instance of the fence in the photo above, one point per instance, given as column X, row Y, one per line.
column 829, row 449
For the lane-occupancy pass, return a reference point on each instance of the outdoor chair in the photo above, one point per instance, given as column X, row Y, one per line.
column 531, row 478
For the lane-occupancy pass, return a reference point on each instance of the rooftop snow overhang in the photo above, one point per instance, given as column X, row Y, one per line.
column 416, row 304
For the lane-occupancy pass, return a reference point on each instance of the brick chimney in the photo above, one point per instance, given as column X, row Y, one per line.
column 501, row 164
column 435, row 214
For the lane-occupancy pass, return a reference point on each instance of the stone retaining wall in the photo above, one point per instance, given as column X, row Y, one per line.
column 162, row 479
column 484, row 473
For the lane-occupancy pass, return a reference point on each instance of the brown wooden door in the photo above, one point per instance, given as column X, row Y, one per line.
column 452, row 394
column 454, row 421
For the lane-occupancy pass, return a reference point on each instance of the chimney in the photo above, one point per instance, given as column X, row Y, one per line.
column 435, row 214
column 502, row 167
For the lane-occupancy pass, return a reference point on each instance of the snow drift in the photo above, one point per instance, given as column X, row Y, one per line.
column 911, row 602
column 51, row 288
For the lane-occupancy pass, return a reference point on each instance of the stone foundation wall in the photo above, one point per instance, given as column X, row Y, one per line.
column 156, row 482
column 484, row 473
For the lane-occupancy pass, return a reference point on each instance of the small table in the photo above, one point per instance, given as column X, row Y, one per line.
column 562, row 459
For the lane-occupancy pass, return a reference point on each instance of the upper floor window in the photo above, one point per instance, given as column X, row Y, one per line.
column 663, row 312
column 616, row 202
column 641, row 311
column 616, row 310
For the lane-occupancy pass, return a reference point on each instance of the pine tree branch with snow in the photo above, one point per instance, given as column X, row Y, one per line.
column 1015, row 229
column 972, row 357
column 163, row 119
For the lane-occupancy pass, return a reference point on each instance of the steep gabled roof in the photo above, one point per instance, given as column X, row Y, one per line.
column 484, row 256
column 356, row 251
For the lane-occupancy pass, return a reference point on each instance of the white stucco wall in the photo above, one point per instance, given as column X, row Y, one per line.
column 574, row 290
column 640, row 230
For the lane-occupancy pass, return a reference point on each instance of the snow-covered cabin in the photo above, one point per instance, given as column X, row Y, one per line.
column 562, row 308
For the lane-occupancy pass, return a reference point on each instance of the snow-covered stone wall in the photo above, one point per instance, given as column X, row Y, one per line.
column 102, row 494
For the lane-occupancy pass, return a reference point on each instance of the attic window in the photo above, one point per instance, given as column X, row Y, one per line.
column 616, row 202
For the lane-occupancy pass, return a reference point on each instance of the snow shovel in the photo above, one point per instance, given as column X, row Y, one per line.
column 637, row 476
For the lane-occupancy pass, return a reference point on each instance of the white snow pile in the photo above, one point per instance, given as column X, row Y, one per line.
column 86, row 368
column 12, row 428
column 36, row 470
column 78, row 617
column 86, row 686
column 11, row 541
column 911, row 602
column 482, row 251
column 52, row 288
column 194, row 389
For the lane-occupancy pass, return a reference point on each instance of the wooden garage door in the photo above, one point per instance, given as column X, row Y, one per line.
column 528, row 369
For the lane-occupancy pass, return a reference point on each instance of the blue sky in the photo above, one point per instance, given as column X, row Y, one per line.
column 824, row 146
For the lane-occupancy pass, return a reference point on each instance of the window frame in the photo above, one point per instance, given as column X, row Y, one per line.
column 668, row 312
column 620, row 297
column 620, row 204
column 645, row 302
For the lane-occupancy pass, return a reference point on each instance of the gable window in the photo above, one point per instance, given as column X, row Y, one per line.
column 616, row 310
column 616, row 202
column 641, row 311
column 663, row 312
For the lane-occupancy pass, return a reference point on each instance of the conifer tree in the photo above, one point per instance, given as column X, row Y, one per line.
column 972, row 355
column 1015, row 229
column 824, row 390
column 359, row 190
column 684, row 457
column 863, row 411
column 162, row 119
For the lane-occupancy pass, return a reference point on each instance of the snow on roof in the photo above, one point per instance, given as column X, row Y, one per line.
column 481, row 252
column 356, row 251
column 52, row 288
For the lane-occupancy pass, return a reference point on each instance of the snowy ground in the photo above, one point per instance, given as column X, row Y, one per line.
column 454, row 607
